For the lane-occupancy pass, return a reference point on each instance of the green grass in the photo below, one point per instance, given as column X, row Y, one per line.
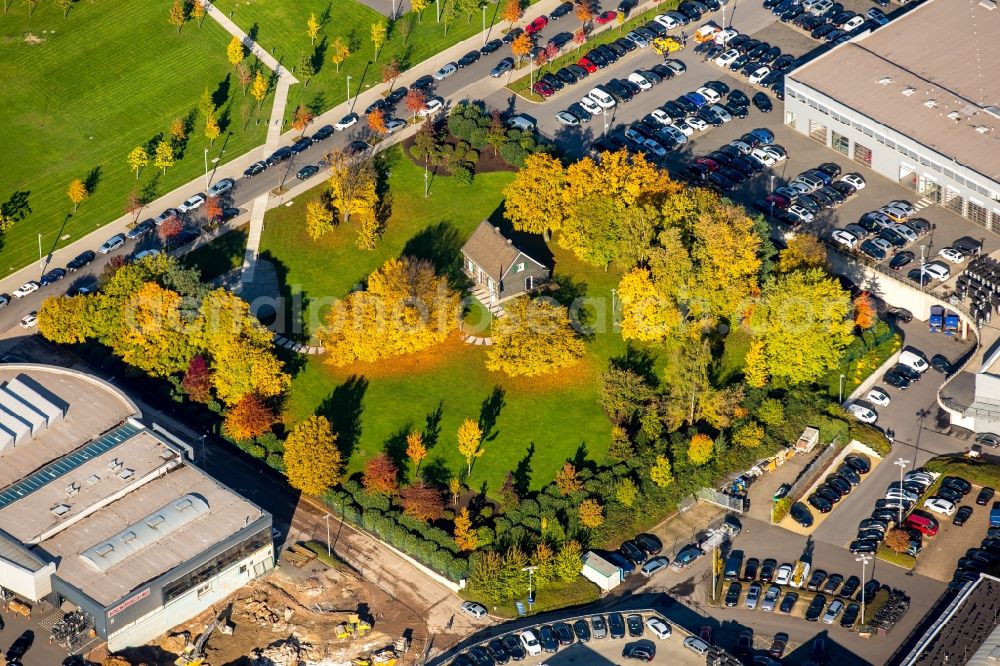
column 892, row 557
column 281, row 30
column 975, row 471
column 109, row 77
column 552, row 417
column 580, row 592
column 862, row 358
column 221, row 255
column 734, row 352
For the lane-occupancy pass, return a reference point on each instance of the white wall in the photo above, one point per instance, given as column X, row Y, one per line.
column 28, row 584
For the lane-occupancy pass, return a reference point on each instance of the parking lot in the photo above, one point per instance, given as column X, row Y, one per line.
column 40, row 651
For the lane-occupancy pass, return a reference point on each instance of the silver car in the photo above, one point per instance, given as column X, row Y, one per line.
column 445, row 72
column 599, row 628
column 833, row 611
column 753, row 595
column 770, row 598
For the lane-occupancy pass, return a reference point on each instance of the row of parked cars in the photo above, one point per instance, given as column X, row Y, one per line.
column 812, row 191
column 761, row 63
column 737, row 161
column 826, row 20
column 985, row 556
column 834, row 487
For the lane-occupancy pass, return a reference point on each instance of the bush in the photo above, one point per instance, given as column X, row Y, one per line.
column 513, row 154
column 276, row 461
column 254, row 449
column 477, row 137
column 461, row 173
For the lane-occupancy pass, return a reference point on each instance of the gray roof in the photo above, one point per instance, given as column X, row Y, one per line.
column 935, row 60
column 491, row 250
column 966, row 625
column 600, row 565
column 15, row 553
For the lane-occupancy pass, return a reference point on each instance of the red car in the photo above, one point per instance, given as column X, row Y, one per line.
column 543, row 89
column 606, row 17
column 587, row 65
column 778, row 201
column 536, row 25
column 709, row 164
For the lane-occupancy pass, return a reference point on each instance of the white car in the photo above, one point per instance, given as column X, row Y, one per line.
column 684, row 127
column 759, row 74
column 855, row 180
column 744, row 148
column 638, row 79
column 472, row 608
column 530, row 643
column 900, row 494
column 940, row 505
column 845, row 238
column 862, row 413
column 777, row 152
column 567, row 118
column 923, row 478
column 654, row 565
column 723, row 37
column 661, row 116
column 951, row 254
column 770, row 599
column 727, row 58
column 26, row 288
column 659, row 628
column 112, row 244
column 675, row 66
column 394, row 125
column 29, row 320
column 431, row 106
column 879, row 397
column 349, row 120
column 853, row 22
column 764, row 157
column 801, row 213
column 592, row 107
column 667, row 22
column 601, row 96
column 937, row 270
column 783, row 575
column 221, row 187
column 696, row 123
column 709, row 94
column 445, row 72
column 192, row 203
column 144, row 254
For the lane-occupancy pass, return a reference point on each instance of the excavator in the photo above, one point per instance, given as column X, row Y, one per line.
column 194, row 654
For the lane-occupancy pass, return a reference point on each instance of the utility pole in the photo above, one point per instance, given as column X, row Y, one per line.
column 206, row 167
column 901, row 463
column 328, row 549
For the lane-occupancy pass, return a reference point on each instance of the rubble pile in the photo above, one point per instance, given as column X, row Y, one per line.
column 257, row 608
column 290, row 652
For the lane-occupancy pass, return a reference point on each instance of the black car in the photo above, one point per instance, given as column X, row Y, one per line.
column 627, row 44
column 552, row 80
column 733, row 594
column 868, row 592
column 897, row 380
column 850, row 615
column 763, row 102
column 958, row 483
column 563, row 632
column 962, row 515
column 278, row 156
column 498, row 651
column 227, row 214
column 850, row 587
column 616, row 625
column 839, row 484
column 828, row 493
column 185, row 237
column 801, row 514
column 720, row 182
column 468, row 59
column 301, row 145
column 984, row 496
column 547, row 638
column 816, row 580
column 849, row 474
column 576, row 70
column 872, row 524
column 81, row 260
column 52, row 276
column 815, row 608
column 744, row 643
column 649, row 543
column 254, row 169
column 859, row 462
column 870, row 535
column 378, row 104
column 767, row 570
column 582, row 630
column 324, row 132
column 481, row 656
column 949, row 493
column 901, row 259
column 967, row 245
column 941, row 363
column 560, row 11
column 639, row 651
column 397, row 95
column 750, row 569
column 736, row 110
column 307, row 172
column 820, row 503
column 356, row 146
column 634, row 624
column 739, row 98
column 487, row 48
column 566, row 77
column 689, row 11
column 788, row 603
column 832, row 583
column 512, row 35
column 890, row 236
column 514, row 647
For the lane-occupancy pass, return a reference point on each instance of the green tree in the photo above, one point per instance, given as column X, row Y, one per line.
column 626, row 492
column 312, row 459
column 661, row 473
column 749, row 435
column 567, row 563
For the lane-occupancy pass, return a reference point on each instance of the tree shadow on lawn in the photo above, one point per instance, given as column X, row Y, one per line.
column 92, row 180
column 318, row 56
column 395, row 448
column 343, row 408
column 432, row 426
column 522, row 473
column 489, row 412
column 292, row 309
column 436, row 473
column 640, row 361
column 440, row 244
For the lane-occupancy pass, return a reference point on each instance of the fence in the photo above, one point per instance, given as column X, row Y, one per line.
column 809, row 472
column 727, row 502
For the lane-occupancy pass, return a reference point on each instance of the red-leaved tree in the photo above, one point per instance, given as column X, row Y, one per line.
column 197, row 382
column 213, row 208
column 422, row 502
column 169, row 229
column 248, row 418
column 416, row 101
column 380, row 477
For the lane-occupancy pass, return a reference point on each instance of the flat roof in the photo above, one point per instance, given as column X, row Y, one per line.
column 971, row 625
column 940, row 52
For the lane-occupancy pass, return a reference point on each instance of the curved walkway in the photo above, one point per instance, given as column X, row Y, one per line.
column 297, row 346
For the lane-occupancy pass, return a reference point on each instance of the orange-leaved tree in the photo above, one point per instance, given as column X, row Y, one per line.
column 465, row 537
column 248, row 418
column 422, row 502
column 416, row 450
column 865, row 315
column 700, row 449
column 566, row 479
column 381, row 475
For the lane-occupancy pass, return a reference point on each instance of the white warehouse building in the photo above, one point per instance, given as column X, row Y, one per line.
column 917, row 100
column 99, row 512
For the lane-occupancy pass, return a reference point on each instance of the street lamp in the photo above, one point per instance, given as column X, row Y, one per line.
column 426, row 182
column 864, row 559
column 841, row 384
column 902, row 463
column 327, row 519
column 772, row 184
column 206, row 167
column 531, row 595
column 41, row 263
column 348, row 88
column 484, row 23
column 614, row 307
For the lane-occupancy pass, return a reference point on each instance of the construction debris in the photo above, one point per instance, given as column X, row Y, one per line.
column 288, row 652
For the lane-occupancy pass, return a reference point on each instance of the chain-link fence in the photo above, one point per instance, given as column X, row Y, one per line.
column 727, row 502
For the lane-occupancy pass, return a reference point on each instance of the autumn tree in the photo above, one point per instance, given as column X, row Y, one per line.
column 700, row 449
column 198, row 11
column 312, row 460
column 418, row 7
column 65, row 6
column 133, row 205
column 465, row 536
column 755, row 365
column 380, row 475
column 627, row 492
column 259, row 87
column 303, row 116
column 304, row 69
column 534, row 338
column 591, row 513
column 247, row 419
column 164, row 157
column 802, row 251
column 212, row 208
column 312, row 28
column 66, row 320
column 390, row 71
column 865, row 314
column 169, row 230
column 533, row 199
column 661, row 473
column 77, row 192
column 319, row 218
column 512, row 11
column 197, row 381
column 749, row 435
column 416, row 101
column 422, row 502
column 647, row 314
column 470, row 439
column 455, row 488
column 244, row 76
column 353, row 193
column 568, row 561
column 579, row 37
column 567, row 481
column 376, row 121
column 803, row 321
column 339, row 51
column 235, row 52
column 212, row 129
column 521, row 46
column 416, row 450
column 897, row 540
column 177, row 16
column 137, row 159
column 583, row 14
column 178, row 131
column 378, row 35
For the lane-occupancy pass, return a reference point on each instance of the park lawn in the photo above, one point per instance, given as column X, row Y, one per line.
column 541, row 422
column 108, row 78
column 280, row 28
column 219, row 256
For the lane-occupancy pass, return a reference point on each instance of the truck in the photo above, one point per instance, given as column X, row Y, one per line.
column 800, row 574
column 665, row 45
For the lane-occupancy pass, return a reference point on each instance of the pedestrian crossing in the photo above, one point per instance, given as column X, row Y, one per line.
column 923, row 203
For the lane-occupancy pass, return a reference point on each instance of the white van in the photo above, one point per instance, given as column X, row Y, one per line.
column 530, row 642
column 819, row 7
column 602, row 97
column 914, row 361
column 521, row 123
column 696, row 645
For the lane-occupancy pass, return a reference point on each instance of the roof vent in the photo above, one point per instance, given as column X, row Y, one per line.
column 909, row 91
column 982, row 129
column 61, row 509
column 72, row 489
column 128, row 536
column 115, row 465
column 988, row 4
column 992, row 110
column 125, row 474
column 155, row 521
column 167, row 454
column 930, row 104
column 885, row 80
column 185, row 503
column 105, row 549
column 955, row 115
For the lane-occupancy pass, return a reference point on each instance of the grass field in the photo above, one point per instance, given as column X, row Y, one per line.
column 221, row 255
column 539, row 423
column 281, row 30
column 83, row 91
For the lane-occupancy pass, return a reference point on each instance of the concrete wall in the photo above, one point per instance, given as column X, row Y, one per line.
column 32, row 585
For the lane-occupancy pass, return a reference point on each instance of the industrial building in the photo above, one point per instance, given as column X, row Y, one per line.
column 99, row 512
column 917, row 101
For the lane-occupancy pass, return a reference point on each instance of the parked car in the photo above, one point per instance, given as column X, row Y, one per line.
column 815, row 608
column 81, row 260
column 223, row 186
column 110, row 245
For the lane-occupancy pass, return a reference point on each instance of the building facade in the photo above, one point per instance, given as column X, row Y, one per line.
column 499, row 267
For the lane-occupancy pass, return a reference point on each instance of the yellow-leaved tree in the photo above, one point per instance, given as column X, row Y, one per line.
column 319, row 218
column 312, row 459
column 755, row 365
column 77, row 193
column 155, row 338
column 416, row 450
column 700, row 449
column 591, row 513
column 647, row 314
column 661, row 473
column 406, row 307
column 535, row 337
column 137, row 159
column 68, row 320
column 533, row 200
column 235, row 52
column 802, row 251
column 465, row 537
column 470, row 440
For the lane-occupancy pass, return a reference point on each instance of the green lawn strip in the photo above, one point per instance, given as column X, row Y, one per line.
column 892, row 557
column 862, row 357
column 734, row 352
column 99, row 83
column 220, row 255
column 330, row 560
column 974, row 471
column 522, row 86
column 880, row 599
column 579, row 592
column 281, row 30
column 542, row 422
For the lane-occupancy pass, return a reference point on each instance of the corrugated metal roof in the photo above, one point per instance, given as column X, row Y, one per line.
column 15, row 553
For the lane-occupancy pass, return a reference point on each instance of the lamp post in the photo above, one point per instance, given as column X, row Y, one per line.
column 484, row 23
column 206, row 167
column 864, row 559
column 531, row 595
column 327, row 519
column 614, row 307
column 41, row 263
column 426, row 181
column 901, row 463
column 772, row 184
column 923, row 253
column 841, row 385
column 348, row 89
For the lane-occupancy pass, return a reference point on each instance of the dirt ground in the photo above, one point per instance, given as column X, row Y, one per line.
column 295, row 611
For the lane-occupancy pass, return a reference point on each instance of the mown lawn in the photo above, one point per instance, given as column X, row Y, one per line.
column 81, row 92
column 221, row 255
column 539, row 423
column 280, row 28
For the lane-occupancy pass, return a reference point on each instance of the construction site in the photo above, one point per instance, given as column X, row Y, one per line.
column 312, row 610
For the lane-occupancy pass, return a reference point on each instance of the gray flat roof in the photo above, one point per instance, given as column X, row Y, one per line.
column 942, row 51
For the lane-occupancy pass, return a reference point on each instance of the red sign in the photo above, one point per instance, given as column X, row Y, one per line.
column 128, row 602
